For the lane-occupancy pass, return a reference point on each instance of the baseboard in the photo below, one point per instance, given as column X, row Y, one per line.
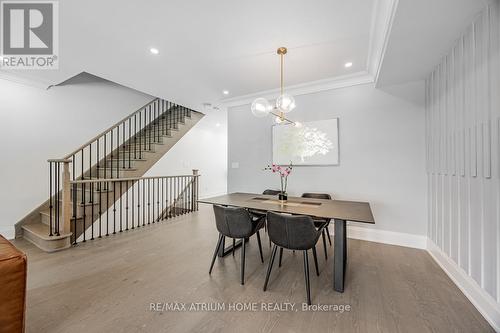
column 386, row 237
column 8, row 232
column 484, row 303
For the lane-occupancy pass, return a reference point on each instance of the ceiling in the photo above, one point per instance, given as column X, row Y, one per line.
column 210, row 46
column 422, row 33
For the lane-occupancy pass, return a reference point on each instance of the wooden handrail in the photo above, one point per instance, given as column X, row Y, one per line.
column 100, row 180
column 109, row 129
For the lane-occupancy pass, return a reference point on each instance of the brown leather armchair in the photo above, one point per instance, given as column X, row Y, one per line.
column 13, row 266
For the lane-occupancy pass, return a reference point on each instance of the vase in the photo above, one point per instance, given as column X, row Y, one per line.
column 282, row 196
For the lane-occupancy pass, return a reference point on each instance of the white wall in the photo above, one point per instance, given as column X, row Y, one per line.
column 463, row 143
column 204, row 147
column 38, row 124
column 382, row 152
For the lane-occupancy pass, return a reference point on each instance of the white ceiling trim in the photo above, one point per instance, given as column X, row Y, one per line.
column 384, row 12
column 304, row 88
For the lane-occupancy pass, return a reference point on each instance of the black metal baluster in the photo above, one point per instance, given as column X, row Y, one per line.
column 129, row 141
column 91, row 187
column 133, row 203
column 163, row 117
column 114, row 207
column 100, row 210
column 124, row 147
column 149, row 203
column 117, row 152
column 138, row 204
column 143, row 204
column 105, row 157
column 90, row 162
column 148, row 126
column 140, row 135
column 126, row 208
column 107, row 208
column 111, row 150
column 121, row 207
column 163, row 198
column 171, row 200
column 73, row 187
column 50, row 198
column 153, row 211
column 58, row 175
column 97, row 167
column 157, row 199
column 83, row 206
column 135, row 136
column 154, row 121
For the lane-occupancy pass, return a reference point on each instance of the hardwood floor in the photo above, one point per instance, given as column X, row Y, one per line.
column 108, row 285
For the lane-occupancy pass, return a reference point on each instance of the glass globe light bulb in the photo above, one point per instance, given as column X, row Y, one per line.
column 261, row 107
column 285, row 103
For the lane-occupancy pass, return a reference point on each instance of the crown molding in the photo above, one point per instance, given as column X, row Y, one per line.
column 304, row 88
column 383, row 15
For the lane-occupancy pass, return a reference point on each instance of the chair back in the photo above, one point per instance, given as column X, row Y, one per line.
column 317, row 196
column 271, row 192
column 292, row 232
column 233, row 222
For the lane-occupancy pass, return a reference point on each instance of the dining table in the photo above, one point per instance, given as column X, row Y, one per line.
column 340, row 211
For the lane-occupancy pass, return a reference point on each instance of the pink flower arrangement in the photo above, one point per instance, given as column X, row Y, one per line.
column 283, row 172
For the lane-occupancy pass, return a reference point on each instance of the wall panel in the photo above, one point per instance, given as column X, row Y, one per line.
column 463, row 143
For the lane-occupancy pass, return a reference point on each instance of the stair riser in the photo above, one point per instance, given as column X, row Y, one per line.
column 124, row 162
column 112, row 173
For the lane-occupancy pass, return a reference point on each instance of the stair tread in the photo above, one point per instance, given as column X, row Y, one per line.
column 42, row 230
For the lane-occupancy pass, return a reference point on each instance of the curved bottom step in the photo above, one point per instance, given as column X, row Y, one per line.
column 38, row 234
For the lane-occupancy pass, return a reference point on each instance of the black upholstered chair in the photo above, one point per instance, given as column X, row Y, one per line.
column 293, row 233
column 257, row 214
column 236, row 223
column 318, row 222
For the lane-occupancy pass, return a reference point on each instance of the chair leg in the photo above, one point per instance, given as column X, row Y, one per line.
column 243, row 241
column 324, row 244
column 328, row 234
column 281, row 256
column 234, row 245
column 260, row 247
column 306, row 273
column 271, row 260
column 315, row 260
column 215, row 253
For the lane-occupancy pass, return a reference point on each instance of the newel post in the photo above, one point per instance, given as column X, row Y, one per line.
column 66, row 199
column 194, row 194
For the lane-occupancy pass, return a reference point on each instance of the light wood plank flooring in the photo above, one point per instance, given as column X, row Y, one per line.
column 107, row 285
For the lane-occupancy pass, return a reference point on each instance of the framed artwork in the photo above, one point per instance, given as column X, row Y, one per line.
column 313, row 143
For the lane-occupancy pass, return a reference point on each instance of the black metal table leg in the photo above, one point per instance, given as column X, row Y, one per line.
column 339, row 255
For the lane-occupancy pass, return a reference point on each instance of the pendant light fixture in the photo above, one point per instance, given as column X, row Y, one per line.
column 284, row 103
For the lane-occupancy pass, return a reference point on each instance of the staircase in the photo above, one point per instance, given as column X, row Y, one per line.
column 99, row 189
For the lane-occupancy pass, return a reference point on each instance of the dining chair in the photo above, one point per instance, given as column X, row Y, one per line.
column 236, row 223
column 318, row 222
column 293, row 232
column 258, row 214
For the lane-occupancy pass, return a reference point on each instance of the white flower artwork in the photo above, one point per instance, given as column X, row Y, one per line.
column 313, row 143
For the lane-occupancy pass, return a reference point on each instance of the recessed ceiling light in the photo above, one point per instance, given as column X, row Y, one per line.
column 348, row 64
column 154, row 51
column 218, row 124
column 225, row 92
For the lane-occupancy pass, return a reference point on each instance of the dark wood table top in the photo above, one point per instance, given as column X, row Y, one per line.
column 322, row 208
